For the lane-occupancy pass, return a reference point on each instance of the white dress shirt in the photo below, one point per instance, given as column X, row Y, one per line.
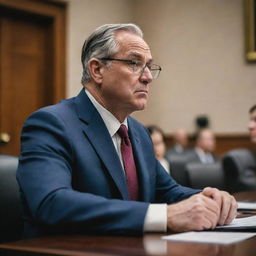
column 165, row 164
column 178, row 148
column 205, row 158
column 156, row 216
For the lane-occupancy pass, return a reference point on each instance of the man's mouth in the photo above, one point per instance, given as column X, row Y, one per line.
column 142, row 91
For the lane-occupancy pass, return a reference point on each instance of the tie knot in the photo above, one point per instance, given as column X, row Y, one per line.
column 122, row 131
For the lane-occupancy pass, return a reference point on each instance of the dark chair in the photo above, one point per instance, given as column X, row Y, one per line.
column 240, row 170
column 205, row 175
column 177, row 169
column 11, row 224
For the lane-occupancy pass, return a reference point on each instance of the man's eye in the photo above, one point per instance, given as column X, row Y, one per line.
column 134, row 62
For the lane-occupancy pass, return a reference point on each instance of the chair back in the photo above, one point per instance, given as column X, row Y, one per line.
column 205, row 175
column 177, row 169
column 11, row 223
column 240, row 170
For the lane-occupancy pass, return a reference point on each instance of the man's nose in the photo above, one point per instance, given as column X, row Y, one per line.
column 146, row 75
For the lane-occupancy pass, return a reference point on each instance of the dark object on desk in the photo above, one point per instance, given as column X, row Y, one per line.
column 11, row 223
column 245, row 212
column 205, row 175
column 240, row 170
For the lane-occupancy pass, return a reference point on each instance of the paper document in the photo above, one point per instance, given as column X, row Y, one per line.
column 247, row 223
column 210, row 237
column 246, row 205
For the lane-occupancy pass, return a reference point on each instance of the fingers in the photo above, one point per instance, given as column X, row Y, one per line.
column 229, row 209
column 232, row 212
column 210, row 212
column 202, row 211
column 208, row 221
column 211, row 205
column 226, row 202
column 214, row 194
column 196, row 213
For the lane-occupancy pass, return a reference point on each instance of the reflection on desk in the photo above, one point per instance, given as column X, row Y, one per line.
column 149, row 244
column 155, row 246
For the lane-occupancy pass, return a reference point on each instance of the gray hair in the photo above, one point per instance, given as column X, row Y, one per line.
column 102, row 44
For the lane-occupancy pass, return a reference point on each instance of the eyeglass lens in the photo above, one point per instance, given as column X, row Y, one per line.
column 154, row 70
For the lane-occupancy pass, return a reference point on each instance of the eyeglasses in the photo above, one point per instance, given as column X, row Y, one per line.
column 138, row 66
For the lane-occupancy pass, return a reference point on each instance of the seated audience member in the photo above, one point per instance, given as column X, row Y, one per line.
column 86, row 166
column 240, row 164
column 180, row 138
column 204, row 147
column 252, row 124
column 157, row 137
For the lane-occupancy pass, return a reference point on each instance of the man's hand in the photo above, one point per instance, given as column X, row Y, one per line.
column 202, row 211
column 226, row 203
column 198, row 212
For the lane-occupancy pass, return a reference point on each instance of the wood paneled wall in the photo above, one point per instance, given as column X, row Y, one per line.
column 224, row 142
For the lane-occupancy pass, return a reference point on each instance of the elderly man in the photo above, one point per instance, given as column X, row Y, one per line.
column 180, row 138
column 252, row 124
column 81, row 171
column 179, row 149
column 203, row 152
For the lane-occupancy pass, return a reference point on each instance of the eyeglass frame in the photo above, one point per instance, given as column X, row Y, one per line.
column 134, row 62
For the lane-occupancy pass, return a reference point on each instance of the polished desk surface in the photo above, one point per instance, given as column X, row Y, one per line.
column 146, row 245
column 149, row 244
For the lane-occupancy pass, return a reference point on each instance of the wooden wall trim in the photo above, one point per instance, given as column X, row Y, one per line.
column 224, row 142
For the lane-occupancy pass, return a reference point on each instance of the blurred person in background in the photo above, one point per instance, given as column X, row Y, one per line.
column 240, row 164
column 205, row 144
column 252, row 124
column 157, row 137
column 180, row 146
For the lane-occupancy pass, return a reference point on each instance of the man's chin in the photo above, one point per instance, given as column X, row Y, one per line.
column 142, row 106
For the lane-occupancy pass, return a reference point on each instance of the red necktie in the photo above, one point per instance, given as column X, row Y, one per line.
column 129, row 163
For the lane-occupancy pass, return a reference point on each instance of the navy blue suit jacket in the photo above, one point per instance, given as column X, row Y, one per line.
column 71, row 178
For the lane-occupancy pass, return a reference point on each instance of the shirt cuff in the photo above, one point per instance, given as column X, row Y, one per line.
column 156, row 218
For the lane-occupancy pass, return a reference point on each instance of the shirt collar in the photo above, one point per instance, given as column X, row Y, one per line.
column 178, row 148
column 200, row 151
column 109, row 119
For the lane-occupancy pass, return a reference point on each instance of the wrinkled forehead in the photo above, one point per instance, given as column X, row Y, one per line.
column 132, row 45
column 157, row 136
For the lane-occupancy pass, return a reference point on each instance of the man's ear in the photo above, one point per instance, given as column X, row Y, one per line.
column 95, row 68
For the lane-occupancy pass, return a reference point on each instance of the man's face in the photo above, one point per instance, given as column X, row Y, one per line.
column 121, row 89
column 207, row 141
column 181, row 137
column 252, row 126
column 159, row 146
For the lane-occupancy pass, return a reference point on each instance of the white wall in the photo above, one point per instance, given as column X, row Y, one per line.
column 200, row 46
column 83, row 17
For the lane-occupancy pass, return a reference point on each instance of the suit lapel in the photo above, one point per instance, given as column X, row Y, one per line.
column 140, row 163
column 97, row 133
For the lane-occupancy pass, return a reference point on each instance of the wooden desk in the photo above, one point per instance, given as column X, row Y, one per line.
column 149, row 244
column 139, row 246
column 246, row 196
